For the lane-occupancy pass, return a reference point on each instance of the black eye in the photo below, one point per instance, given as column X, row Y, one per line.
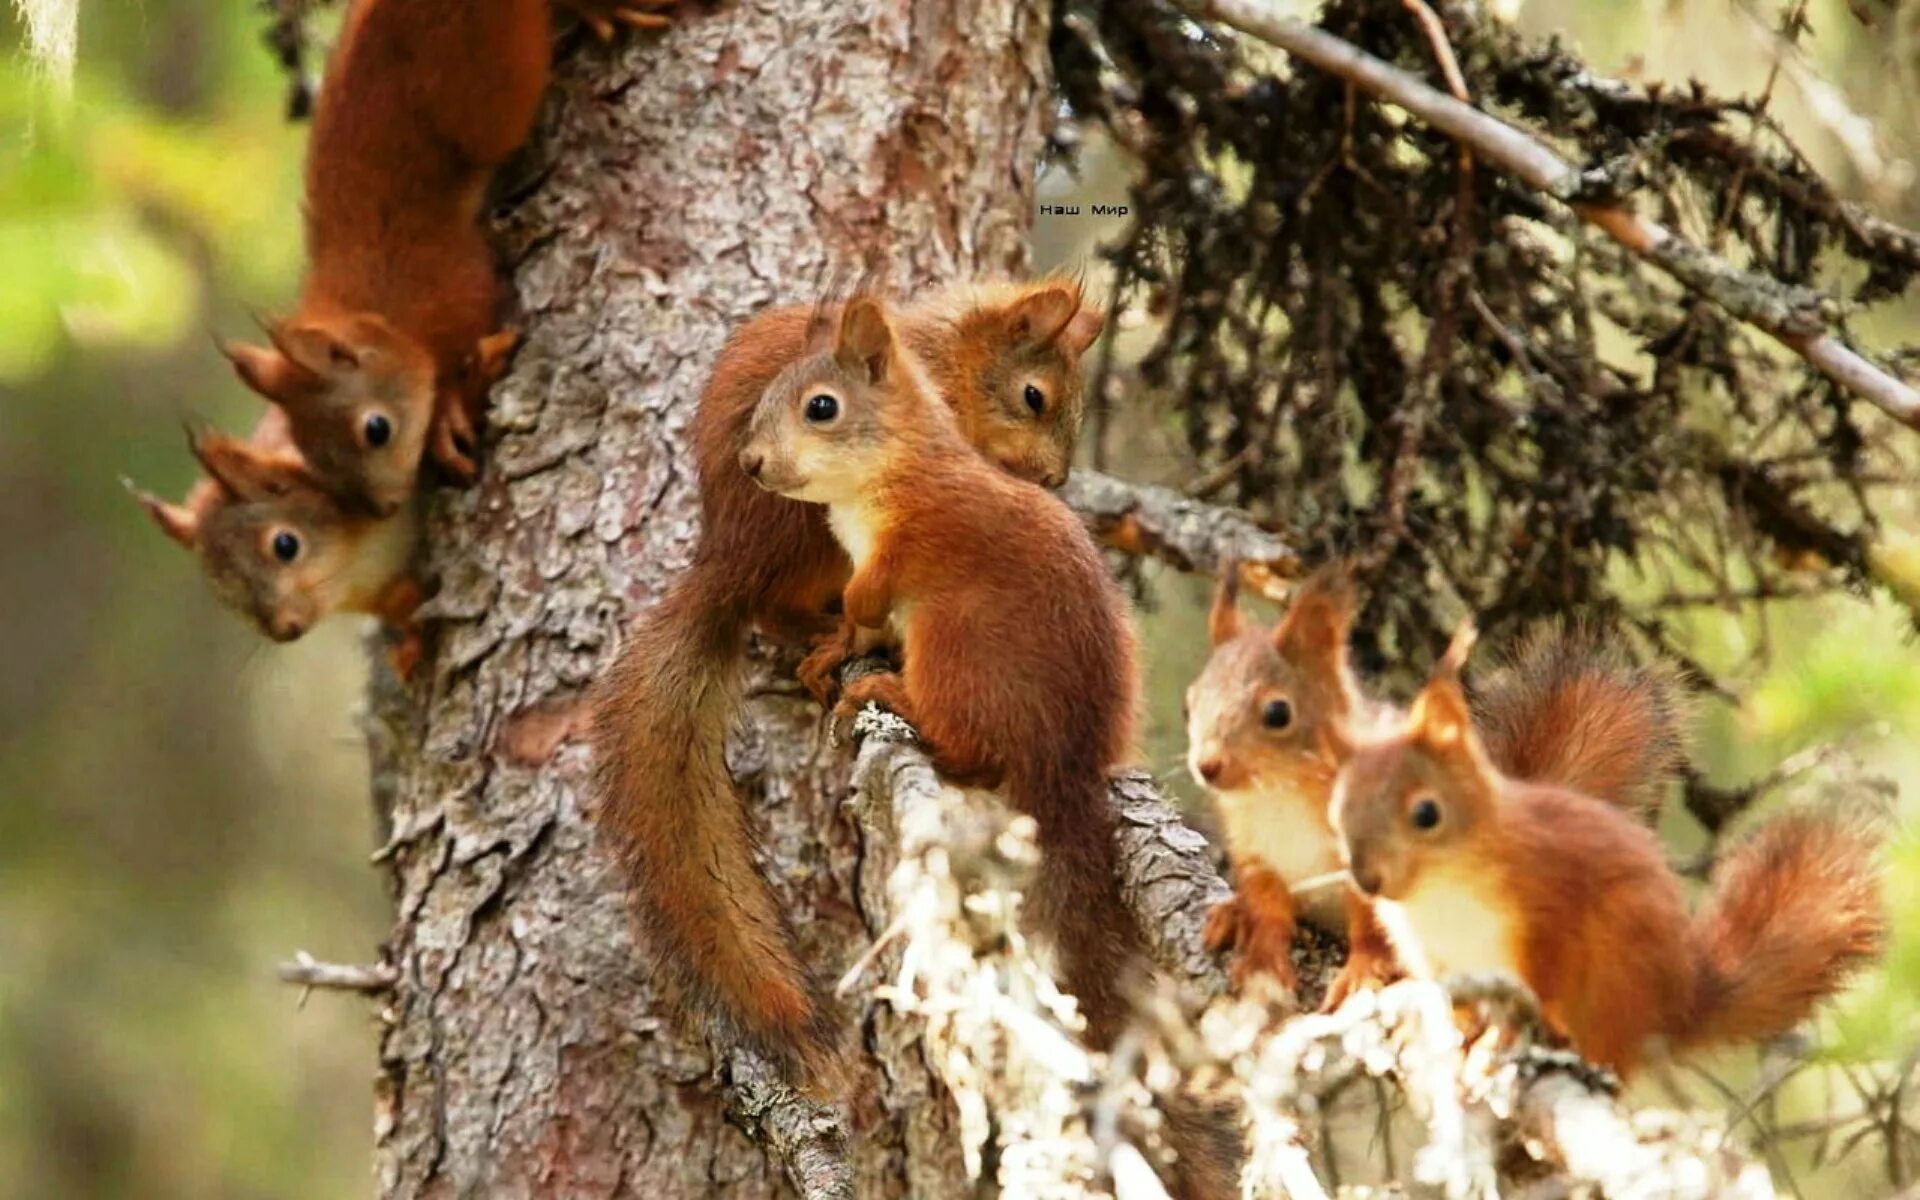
column 822, row 408
column 1425, row 814
column 1036, row 400
column 378, row 430
column 286, row 546
column 1278, row 714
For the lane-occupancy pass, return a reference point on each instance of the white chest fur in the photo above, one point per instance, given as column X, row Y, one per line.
column 1451, row 924
column 1288, row 833
column 855, row 529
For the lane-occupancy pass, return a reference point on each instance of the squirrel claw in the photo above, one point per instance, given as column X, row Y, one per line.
column 452, row 442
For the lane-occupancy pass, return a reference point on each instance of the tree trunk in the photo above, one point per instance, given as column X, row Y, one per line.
column 682, row 183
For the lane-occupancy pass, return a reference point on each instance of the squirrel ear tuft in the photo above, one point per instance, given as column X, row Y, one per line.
column 865, row 341
column 1313, row 634
column 1042, row 315
column 177, row 522
column 1223, row 619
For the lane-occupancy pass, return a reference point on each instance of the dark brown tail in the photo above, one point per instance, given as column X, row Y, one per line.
column 1074, row 900
column 1795, row 910
column 669, row 813
column 1573, row 709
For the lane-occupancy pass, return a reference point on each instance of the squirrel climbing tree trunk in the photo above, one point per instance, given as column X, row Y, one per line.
column 678, row 184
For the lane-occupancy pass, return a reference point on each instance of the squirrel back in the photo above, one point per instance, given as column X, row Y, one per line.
column 1471, row 870
column 663, row 710
column 282, row 551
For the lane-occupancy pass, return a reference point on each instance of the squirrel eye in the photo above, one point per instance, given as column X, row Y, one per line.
column 286, row 546
column 378, row 430
column 1425, row 814
column 1278, row 714
column 1036, row 400
column 822, row 408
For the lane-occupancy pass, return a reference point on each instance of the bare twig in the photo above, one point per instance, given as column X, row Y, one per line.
column 1796, row 317
column 308, row 973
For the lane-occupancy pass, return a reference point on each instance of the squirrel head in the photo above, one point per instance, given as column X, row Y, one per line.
column 823, row 428
column 1269, row 710
column 1019, row 398
column 359, row 398
column 1412, row 797
column 274, row 545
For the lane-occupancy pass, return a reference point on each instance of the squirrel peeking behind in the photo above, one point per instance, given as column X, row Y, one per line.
column 282, row 551
column 1005, row 358
column 1471, row 870
column 397, row 333
column 1270, row 720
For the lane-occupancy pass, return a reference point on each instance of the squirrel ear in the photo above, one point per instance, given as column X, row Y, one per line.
column 316, row 348
column 494, row 352
column 1223, row 620
column 1313, row 634
column 865, row 342
column 268, row 372
column 1083, row 331
column 239, row 468
column 1042, row 315
column 1440, row 715
column 177, row 522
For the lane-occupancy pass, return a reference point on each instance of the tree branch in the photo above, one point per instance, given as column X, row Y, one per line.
column 1143, row 520
column 1796, row 317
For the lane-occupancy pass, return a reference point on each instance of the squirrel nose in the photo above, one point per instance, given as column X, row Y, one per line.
column 751, row 461
column 1210, row 767
column 287, row 629
column 1367, row 878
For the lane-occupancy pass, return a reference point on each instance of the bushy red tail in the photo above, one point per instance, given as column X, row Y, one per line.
column 1573, row 710
column 679, row 830
column 1795, row 910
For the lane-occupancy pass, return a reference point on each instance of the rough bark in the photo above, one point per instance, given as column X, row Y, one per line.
column 679, row 184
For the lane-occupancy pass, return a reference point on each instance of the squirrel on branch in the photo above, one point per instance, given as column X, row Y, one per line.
column 1005, row 358
column 1471, row 870
column 397, row 333
column 1020, row 668
column 1268, row 718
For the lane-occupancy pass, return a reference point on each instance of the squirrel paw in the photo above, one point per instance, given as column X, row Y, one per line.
column 884, row 688
column 605, row 17
column 1361, row 972
column 1257, row 947
column 819, row 671
column 453, row 442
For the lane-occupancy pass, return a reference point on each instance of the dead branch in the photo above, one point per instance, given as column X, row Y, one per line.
column 1798, row 318
column 308, row 973
column 1141, row 519
column 808, row 1137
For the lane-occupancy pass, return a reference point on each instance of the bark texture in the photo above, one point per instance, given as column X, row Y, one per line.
column 679, row 184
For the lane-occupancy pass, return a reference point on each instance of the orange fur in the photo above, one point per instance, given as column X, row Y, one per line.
column 398, row 320
column 256, row 490
column 721, row 944
column 1574, row 896
column 998, row 594
column 1569, row 708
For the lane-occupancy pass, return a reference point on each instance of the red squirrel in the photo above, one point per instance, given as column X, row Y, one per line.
column 1020, row 668
column 282, row 551
column 397, row 332
column 1004, row 356
column 1471, row 870
column 1271, row 712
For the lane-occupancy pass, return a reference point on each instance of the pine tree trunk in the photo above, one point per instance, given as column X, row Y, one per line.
column 679, row 184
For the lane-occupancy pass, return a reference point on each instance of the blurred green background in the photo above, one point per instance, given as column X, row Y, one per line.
column 183, row 805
